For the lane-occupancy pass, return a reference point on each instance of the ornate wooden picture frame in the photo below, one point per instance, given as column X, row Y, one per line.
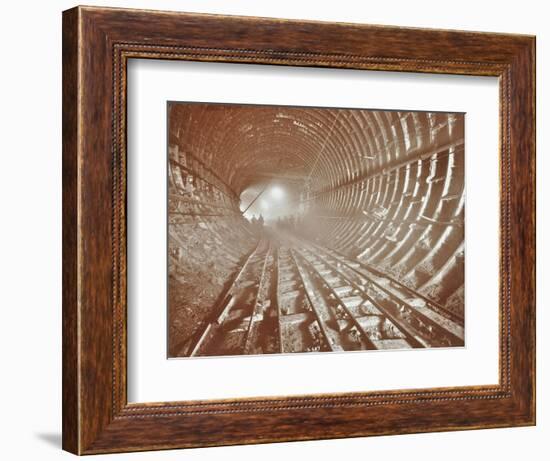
column 97, row 45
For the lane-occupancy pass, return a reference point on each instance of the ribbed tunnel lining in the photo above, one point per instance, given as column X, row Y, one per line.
column 383, row 187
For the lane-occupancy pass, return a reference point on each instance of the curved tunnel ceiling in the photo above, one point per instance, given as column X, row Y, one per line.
column 383, row 187
column 331, row 145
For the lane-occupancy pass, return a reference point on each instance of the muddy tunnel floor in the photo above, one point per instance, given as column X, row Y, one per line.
column 291, row 295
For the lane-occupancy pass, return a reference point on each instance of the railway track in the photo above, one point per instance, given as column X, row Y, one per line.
column 245, row 311
column 302, row 319
column 403, row 290
column 290, row 296
column 405, row 319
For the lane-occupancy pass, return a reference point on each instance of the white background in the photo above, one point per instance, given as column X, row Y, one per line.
column 30, row 243
column 153, row 378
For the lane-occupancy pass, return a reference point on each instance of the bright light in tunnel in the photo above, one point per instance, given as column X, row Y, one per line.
column 271, row 201
column 277, row 192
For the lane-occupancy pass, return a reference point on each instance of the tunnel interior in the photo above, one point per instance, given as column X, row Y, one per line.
column 382, row 189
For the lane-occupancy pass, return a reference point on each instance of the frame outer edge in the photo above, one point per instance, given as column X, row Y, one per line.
column 521, row 249
column 533, row 140
column 524, row 209
column 70, row 273
column 90, row 423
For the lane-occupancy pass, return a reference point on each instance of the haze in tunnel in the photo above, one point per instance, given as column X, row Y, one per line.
column 360, row 211
column 272, row 201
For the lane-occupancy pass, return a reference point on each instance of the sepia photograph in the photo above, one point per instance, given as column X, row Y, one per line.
column 311, row 229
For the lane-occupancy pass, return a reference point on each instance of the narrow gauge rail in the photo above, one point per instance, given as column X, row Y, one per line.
column 360, row 324
column 334, row 325
column 404, row 289
column 299, row 326
column 391, row 316
column 291, row 296
column 236, row 329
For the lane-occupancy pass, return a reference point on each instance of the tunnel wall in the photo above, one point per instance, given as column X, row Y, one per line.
column 207, row 240
column 407, row 218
